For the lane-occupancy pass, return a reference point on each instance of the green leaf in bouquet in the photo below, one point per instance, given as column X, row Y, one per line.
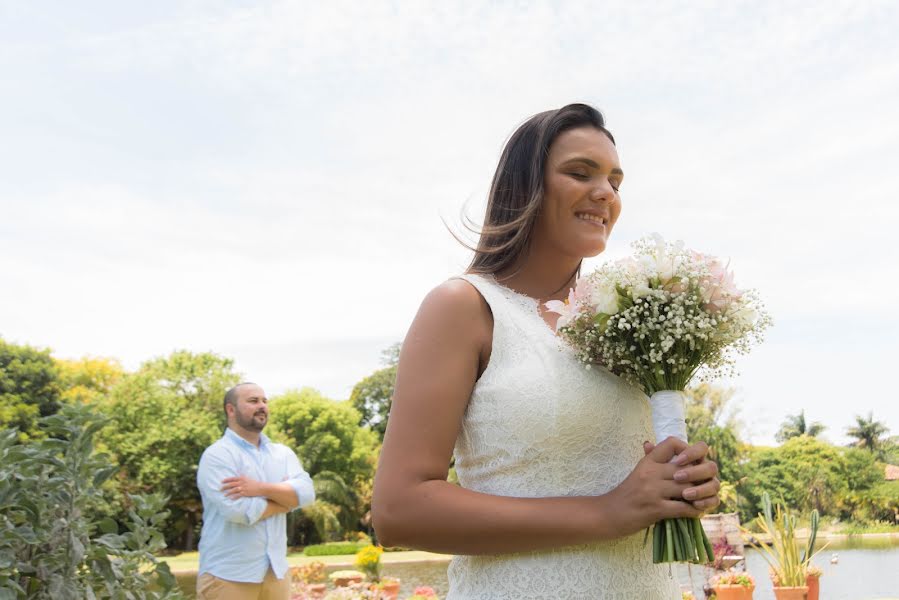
column 624, row 298
column 602, row 321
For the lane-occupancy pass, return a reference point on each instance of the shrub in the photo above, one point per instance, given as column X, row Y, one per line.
column 50, row 548
column 332, row 549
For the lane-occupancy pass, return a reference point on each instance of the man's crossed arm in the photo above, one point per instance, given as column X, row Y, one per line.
column 242, row 486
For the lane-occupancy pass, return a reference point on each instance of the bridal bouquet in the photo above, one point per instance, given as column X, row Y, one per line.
column 659, row 319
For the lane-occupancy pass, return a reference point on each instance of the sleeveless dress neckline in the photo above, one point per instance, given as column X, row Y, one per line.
column 534, row 303
column 538, row 424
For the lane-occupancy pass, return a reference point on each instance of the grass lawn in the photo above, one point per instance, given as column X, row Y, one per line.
column 188, row 561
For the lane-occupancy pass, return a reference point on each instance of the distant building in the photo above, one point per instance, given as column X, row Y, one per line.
column 892, row 473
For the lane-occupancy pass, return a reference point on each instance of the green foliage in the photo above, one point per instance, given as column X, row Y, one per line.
column 710, row 420
column 337, row 453
column 325, row 434
column 796, row 425
column 29, row 387
column 88, row 379
column 879, row 504
column 372, row 397
column 809, row 473
column 162, row 418
column 806, row 472
column 333, row 548
column 860, row 470
column 49, row 546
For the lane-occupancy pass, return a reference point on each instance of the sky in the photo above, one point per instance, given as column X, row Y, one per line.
column 273, row 181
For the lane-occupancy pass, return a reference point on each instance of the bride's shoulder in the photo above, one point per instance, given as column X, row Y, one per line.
column 457, row 302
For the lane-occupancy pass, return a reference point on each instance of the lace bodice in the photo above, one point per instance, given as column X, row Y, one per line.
column 539, row 424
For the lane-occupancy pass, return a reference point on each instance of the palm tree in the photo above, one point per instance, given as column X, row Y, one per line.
column 796, row 425
column 870, row 434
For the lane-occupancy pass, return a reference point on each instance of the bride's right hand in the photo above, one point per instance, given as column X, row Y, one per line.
column 650, row 492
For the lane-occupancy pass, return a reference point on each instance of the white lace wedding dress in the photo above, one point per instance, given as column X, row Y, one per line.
column 539, row 424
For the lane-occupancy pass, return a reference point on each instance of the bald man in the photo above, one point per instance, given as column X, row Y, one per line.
column 248, row 484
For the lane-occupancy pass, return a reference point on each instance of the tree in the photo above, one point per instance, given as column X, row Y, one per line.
column 29, row 387
column 796, row 425
column 86, row 379
column 373, row 395
column 162, row 418
column 806, row 472
column 325, row 434
column 338, row 454
column 710, row 420
column 335, row 509
column 870, row 435
column 860, row 470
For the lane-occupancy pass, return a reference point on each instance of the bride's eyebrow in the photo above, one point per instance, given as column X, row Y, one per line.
column 592, row 163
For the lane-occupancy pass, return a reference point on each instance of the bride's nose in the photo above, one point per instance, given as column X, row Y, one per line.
column 603, row 191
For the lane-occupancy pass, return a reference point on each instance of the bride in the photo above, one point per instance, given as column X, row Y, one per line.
column 558, row 478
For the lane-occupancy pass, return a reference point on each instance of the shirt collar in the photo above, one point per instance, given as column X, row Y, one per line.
column 231, row 435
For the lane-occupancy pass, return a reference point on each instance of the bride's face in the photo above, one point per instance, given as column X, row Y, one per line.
column 581, row 202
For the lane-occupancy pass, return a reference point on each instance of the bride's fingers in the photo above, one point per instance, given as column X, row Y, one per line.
column 696, row 452
column 706, row 504
column 677, row 508
column 703, row 471
column 704, row 491
column 665, row 451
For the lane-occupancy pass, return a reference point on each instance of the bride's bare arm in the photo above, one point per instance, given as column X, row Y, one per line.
column 413, row 504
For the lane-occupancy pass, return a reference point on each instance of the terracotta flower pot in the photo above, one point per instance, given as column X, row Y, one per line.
column 347, row 581
column 390, row 590
column 734, row 592
column 791, row 593
column 813, row 586
column 316, row 590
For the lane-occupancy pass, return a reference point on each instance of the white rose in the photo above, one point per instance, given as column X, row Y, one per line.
column 604, row 299
column 639, row 290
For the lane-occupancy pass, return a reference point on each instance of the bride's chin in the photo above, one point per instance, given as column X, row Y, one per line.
column 593, row 250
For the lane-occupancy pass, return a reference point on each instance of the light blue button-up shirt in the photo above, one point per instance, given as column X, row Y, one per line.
column 234, row 544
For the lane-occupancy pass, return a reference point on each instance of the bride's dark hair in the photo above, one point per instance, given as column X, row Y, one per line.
column 516, row 194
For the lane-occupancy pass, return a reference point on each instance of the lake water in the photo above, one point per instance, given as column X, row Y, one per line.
column 867, row 569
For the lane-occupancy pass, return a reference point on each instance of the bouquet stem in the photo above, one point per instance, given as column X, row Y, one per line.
column 681, row 539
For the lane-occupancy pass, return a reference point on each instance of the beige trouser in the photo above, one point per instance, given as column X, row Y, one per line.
column 210, row 587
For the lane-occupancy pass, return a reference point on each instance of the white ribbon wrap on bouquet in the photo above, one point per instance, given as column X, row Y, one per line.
column 668, row 415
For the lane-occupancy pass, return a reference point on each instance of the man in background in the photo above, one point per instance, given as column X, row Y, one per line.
column 248, row 484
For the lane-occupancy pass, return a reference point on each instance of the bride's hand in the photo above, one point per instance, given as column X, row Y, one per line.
column 698, row 471
column 650, row 493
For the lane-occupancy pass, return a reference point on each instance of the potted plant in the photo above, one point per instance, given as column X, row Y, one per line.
column 346, row 577
column 388, row 588
column 732, row 585
column 812, row 575
column 789, row 561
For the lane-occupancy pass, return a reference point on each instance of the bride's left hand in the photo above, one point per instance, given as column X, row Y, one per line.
column 699, row 471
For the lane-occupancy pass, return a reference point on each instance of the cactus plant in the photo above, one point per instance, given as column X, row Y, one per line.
column 789, row 564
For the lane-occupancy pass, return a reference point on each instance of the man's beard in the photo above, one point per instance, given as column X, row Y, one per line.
column 251, row 423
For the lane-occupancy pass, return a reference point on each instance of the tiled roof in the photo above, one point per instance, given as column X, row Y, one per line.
column 892, row 472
